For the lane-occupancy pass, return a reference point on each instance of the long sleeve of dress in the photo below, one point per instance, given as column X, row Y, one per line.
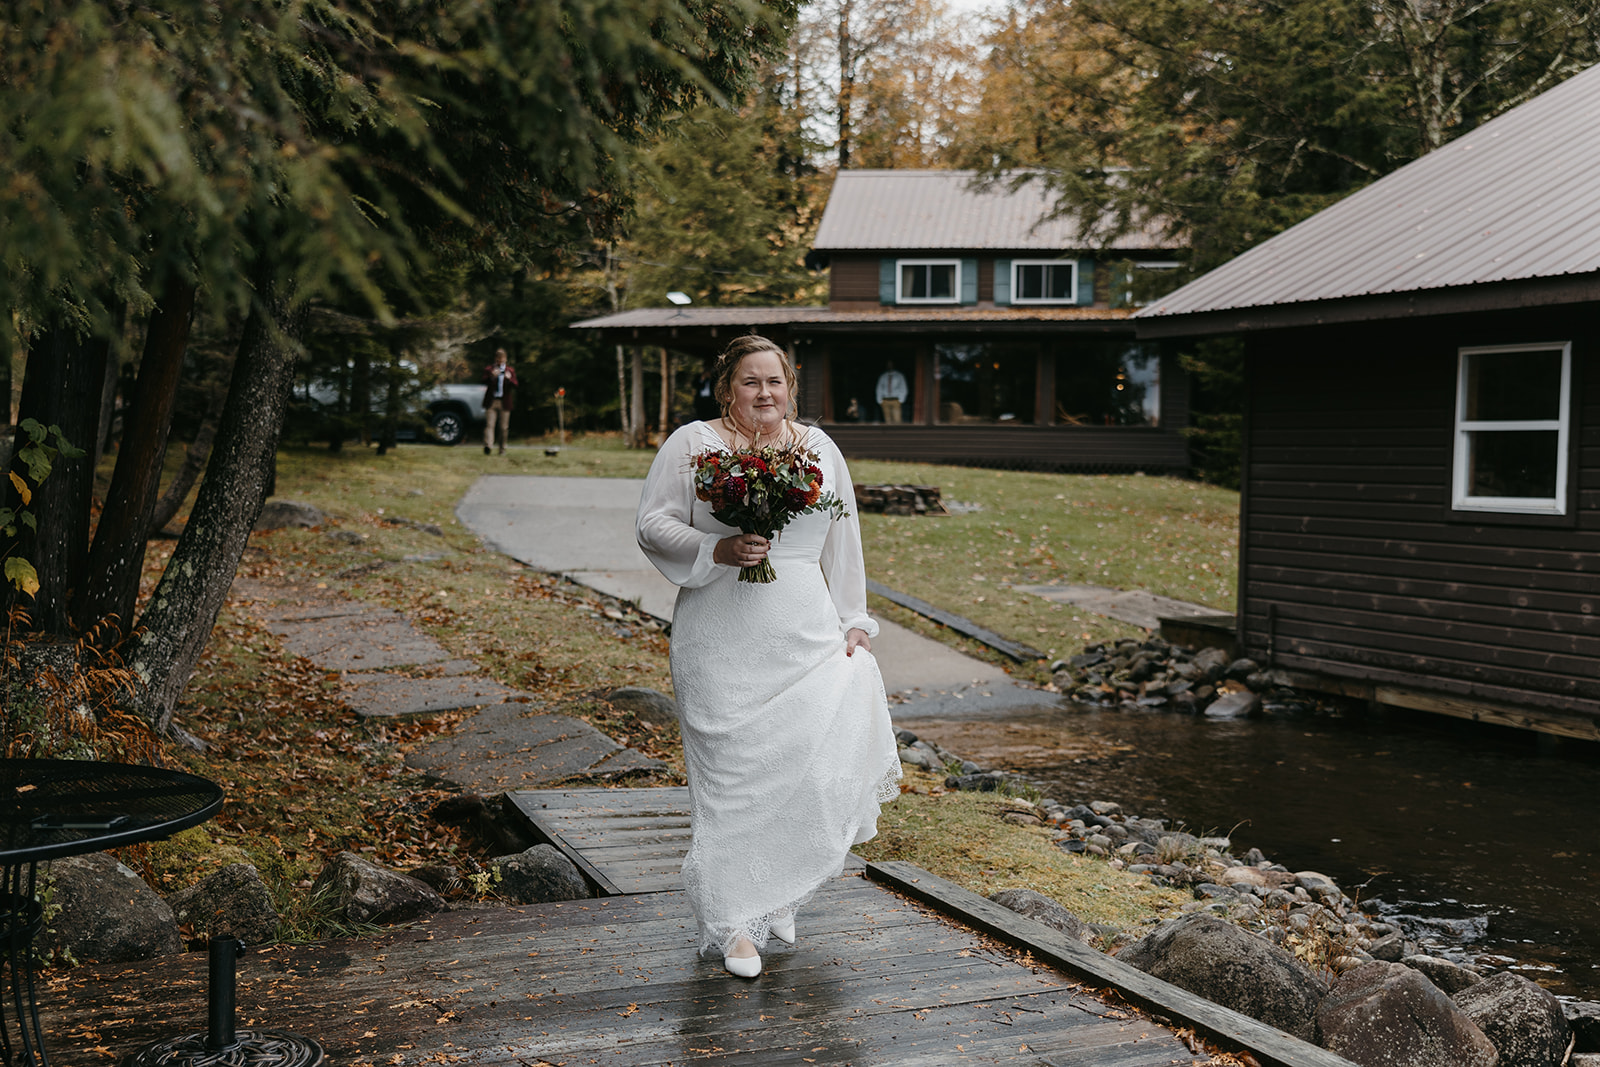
column 678, row 550
column 843, row 563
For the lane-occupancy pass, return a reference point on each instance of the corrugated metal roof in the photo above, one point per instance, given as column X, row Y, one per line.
column 876, row 210
column 654, row 318
column 1516, row 199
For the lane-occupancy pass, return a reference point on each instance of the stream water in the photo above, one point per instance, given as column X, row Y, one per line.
column 1480, row 842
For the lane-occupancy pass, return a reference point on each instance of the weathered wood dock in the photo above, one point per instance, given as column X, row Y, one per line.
column 875, row 978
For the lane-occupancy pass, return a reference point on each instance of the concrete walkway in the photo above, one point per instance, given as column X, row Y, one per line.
column 583, row 528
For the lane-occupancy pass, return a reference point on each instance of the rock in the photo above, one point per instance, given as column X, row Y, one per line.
column 107, row 914
column 1392, row 948
column 979, row 783
column 1213, row 661
column 364, row 892
column 1584, row 1018
column 921, row 757
column 1584, row 1059
column 1020, row 818
column 1040, row 908
column 1521, row 1020
column 541, row 875
column 234, row 901
column 1308, row 879
column 905, row 737
column 1234, row 706
column 276, row 514
column 1240, row 669
column 1388, row 1015
column 441, row 878
column 1212, row 891
column 647, row 705
column 1087, row 659
column 1105, row 807
column 1450, row 977
column 1232, row 967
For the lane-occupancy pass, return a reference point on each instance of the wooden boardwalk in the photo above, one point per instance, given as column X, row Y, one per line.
column 875, row 978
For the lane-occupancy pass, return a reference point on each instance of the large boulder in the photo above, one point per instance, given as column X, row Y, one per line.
column 1232, row 967
column 98, row 910
column 1040, row 908
column 232, row 902
column 541, row 875
column 1389, row 1015
column 1584, row 1018
column 1521, row 1020
column 364, row 892
column 276, row 514
column 1449, row 976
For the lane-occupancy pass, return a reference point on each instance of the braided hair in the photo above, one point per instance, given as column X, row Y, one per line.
column 728, row 365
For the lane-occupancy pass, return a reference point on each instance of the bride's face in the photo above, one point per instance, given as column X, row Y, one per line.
column 760, row 391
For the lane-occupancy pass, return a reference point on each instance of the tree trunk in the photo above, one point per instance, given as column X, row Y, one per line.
column 636, row 402
column 194, row 461
column 107, row 409
column 666, row 393
column 111, row 588
column 847, row 81
column 622, row 393
column 62, row 388
column 390, row 432
column 178, row 621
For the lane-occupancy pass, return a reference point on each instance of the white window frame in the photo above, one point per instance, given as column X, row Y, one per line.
column 1138, row 265
column 899, row 281
column 1461, row 499
column 1016, row 281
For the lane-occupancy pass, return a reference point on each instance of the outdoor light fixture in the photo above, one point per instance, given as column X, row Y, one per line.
column 679, row 298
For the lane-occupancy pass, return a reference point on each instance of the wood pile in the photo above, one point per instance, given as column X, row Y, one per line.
column 900, row 500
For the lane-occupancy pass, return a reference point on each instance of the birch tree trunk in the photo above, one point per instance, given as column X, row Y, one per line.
column 178, row 621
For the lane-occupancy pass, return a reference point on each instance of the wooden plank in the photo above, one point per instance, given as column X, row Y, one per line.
column 1266, row 1044
column 666, row 800
column 966, row 627
column 1432, row 537
column 1525, row 627
column 1482, row 711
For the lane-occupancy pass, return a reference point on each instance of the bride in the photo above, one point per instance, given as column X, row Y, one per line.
column 786, row 732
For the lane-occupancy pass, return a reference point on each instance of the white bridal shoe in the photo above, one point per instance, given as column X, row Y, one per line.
column 783, row 929
column 743, row 966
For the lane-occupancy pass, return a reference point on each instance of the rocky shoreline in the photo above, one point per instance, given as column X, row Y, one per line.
column 1287, row 947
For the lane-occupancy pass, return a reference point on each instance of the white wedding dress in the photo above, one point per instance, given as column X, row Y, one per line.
column 786, row 739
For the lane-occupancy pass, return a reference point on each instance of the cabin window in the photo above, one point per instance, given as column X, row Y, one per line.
column 987, row 382
column 1513, row 406
column 1044, row 281
column 1108, row 383
column 927, row 281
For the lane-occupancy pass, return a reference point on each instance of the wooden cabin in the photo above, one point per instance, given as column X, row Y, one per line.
column 996, row 335
column 1420, row 518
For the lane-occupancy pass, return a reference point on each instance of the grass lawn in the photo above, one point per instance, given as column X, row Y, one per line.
column 306, row 778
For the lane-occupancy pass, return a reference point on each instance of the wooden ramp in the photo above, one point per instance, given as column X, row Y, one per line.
column 877, row 977
column 624, row 840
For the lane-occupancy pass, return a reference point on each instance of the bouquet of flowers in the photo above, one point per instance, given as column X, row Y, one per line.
column 759, row 490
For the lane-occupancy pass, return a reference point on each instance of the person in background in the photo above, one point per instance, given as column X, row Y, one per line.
column 892, row 392
column 706, row 408
column 500, row 377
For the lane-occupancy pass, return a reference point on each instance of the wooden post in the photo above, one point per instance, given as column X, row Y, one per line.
column 636, row 402
column 1044, row 379
column 666, row 394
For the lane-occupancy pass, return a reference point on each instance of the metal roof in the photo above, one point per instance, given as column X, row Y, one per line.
column 877, row 210
column 694, row 318
column 1516, row 199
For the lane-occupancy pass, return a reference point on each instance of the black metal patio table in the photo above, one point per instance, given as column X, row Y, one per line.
column 55, row 808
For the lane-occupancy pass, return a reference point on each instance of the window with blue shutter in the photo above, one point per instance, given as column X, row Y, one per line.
column 1043, row 281
column 934, row 281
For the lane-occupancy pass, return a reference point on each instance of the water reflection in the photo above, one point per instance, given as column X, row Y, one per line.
column 1479, row 840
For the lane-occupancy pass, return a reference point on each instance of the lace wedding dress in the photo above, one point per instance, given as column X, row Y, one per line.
column 787, row 740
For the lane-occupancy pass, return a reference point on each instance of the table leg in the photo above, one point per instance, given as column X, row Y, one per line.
column 22, row 920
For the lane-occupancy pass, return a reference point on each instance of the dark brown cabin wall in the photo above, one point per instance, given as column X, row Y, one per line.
column 853, row 279
column 1355, row 564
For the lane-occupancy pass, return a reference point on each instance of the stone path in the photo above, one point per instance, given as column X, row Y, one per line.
column 1135, row 606
column 387, row 667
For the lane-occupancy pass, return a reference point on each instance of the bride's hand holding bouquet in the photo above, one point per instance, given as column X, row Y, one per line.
column 759, row 491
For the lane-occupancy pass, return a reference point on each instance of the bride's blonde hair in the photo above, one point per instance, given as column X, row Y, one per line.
column 728, row 365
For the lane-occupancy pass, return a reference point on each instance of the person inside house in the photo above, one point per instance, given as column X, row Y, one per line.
column 852, row 411
column 786, row 733
column 892, row 392
column 500, row 378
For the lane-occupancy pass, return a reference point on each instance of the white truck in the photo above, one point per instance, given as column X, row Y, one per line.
column 453, row 411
